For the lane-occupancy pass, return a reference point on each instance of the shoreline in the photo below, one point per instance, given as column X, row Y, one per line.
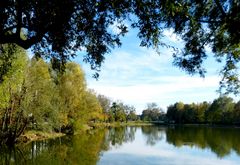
column 117, row 124
column 31, row 135
column 200, row 125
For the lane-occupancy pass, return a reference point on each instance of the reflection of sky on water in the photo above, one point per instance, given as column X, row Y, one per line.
column 162, row 153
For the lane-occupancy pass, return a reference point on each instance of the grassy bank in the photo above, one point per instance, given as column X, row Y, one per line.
column 38, row 135
column 32, row 135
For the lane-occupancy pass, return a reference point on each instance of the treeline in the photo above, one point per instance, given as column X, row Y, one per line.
column 33, row 96
column 152, row 113
column 117, row 111
column 222, row 110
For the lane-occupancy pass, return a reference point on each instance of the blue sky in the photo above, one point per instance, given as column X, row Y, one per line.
column 137, row 75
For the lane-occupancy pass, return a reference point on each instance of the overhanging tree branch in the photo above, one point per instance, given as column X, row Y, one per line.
column 220, row 7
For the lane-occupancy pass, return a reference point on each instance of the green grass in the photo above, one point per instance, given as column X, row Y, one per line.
column 32, row 135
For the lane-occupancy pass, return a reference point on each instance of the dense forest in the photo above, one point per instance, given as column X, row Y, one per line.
column 33, row 96
column 222, row 110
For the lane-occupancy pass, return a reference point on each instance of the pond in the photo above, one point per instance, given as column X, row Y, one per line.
column 147, row 145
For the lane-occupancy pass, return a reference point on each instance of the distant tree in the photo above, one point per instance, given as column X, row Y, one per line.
column 171, row 110
column 105, row 103
column 180, row 112
column 220, row 110
column 120, row 112
column 152, row 106
column 189, row 114
column 145, row 115
column 131, row 113
column 200, row 111
column 111, row 116
column 236, row 113
column 152, row 113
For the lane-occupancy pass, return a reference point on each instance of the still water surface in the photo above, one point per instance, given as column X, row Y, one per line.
column 148, row 145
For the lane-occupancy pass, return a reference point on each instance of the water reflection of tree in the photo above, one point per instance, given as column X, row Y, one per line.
column 153, row 134
column 81, row 149
column 219, row 140
column 87, row 148
column 118, row 135
column 11, row 155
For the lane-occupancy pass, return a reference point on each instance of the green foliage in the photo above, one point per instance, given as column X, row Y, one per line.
column 58, row 29
column 152, row 113
column 93, row 107
column 220, row 110
column 118, row 112
column 121, row 113
column 77, row 105
column 71, row 89
column 105, row 103
column 12, row 73
column 34, row 96
column 200, row 111
column 236, row 113
column 12, row 118
column 187, row 113
column 131, row 114
column 37, row 101
column 7, row 57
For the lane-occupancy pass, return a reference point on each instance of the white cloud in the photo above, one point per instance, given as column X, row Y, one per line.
column 208, row 49
column 171, row 36
column 164, row 90
column 159, row 156
column 161, row 153
column 139, row 75
column 131, row 63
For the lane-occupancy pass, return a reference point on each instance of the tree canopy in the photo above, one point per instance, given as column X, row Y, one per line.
column 222, row 110
column 57, row 29
column 152, row 113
